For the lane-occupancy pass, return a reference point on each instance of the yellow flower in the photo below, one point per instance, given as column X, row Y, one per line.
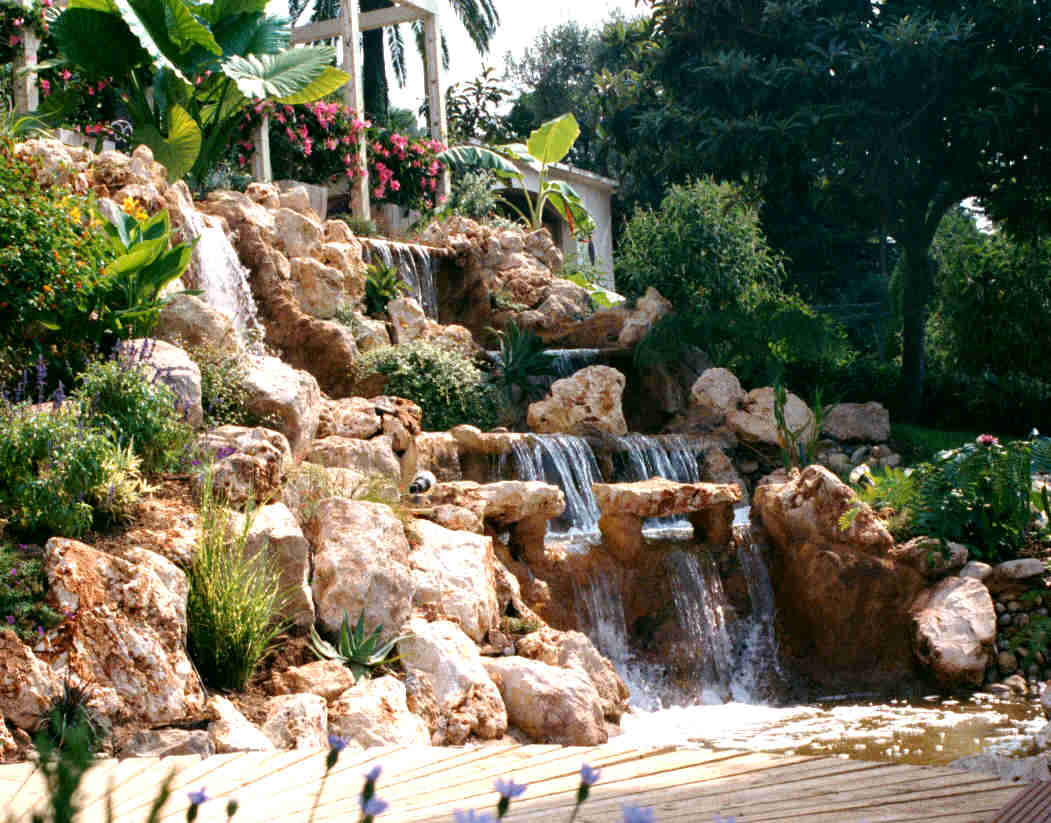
column 75, row 214
column 141, row 214
column 129, row 206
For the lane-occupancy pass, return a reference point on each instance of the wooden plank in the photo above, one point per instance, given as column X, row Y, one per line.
column 432, row 68
column 26, row 91
column 321, row 30
column 390, row 17
column 189, row 773
column 352, row 96
column 1030, row 806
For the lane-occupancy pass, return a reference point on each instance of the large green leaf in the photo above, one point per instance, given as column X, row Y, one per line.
column 568, row 203
column 178, row 151
column 252, row 33
column 221, row 10
column 99, row 42
column 467, row 158
column 147, row 21
column 552, row 141
column 184, row 29
column 94, row 5
column 331, row 80
column 278, row 75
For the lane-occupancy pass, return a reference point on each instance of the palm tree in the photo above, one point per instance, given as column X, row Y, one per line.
column 479, row 18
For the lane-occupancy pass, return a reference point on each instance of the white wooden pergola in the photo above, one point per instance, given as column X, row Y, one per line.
column 347, row 29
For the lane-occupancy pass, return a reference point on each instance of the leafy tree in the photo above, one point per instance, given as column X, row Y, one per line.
column 898, row 109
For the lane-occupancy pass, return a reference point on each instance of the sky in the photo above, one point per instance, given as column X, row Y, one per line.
column 520, row 22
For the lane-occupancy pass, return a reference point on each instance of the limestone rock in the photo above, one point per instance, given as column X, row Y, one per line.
column 273, row 529
column 53, row 165
column 439, row 453
column 468, row 701
column 325, row 678
column 27, row 684
column 369, row 333
column 170, row 365
column 925, row 555
column 248, row 463
column 8, row 746
column 238, row 209
column 230, row 731
column 549, row 703
column 265, row 194
column 1022, row 569
column 474, row 440
column 168, row 743
column 375, row 713
column 373, row 457
column 857, row 422
column 658, row 497
column 346, row 257
column 297, row 721
column 317, row 287
column 589, row 399
column 189, row 320
column 649, row 308
column 128, row 636
column 361, row 562
column 408, row 319
column 454, row 518
column 574, row 650
column 289, row 395
column 979, row 571
column 754, row 421
column 453, row 577
column 297, row 235
column 718, row 391
column 955, row 626
column 295, row 197
column 353, row 417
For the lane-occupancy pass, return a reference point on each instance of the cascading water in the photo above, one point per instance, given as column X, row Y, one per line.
column 567, row 462
column 220, row 274
column 670, row 457
column 414, row 264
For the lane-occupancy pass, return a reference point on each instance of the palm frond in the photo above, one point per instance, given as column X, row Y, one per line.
column 396, row 45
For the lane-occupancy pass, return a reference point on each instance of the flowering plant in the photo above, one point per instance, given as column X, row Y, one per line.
column 17, row 17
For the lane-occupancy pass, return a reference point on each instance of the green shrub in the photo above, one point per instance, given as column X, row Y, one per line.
column 382, row 285
column 234, row 600
column 448, row 387
column 23, row 588
column 472, row 195
column 59, row 475
column 223, row 388
column 121, row 399
column 917, row 444
column 71, row 716
column 359, row 227
column 896, row 490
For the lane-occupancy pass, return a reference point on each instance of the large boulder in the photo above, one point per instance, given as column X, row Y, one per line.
column 297, row 235
column 248, row 464
column 754, row 421
column 857, row 422
column 289, row 396
column 453, row 577
column 186, row 319
column 649, row 308
column 317, row 287
column 361, row 559
column 168, row 743
column 927, row 556
column 375, row 713
column 573, row 650
column 27, row 684
column 549, row 703
column 273, row 530
column 371, row 458
column 844, row 600
column 325, row 678
column 717, row 391
column 408, row 319
column 588, row 400
column 127, row 636
column 955, row 629
column 468, row 701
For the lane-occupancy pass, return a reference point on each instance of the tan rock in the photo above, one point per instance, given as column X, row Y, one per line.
column 574, row 650
column 649, row 308
column 474, row 440
column 369, row 333
column 361, row 562
column 718, row 391
column 8, row 747
column 188, row 320
column 468, row 701
column 375, row 713
column 955, row 629
column 590, row 399
column 291, row 396
column 53, row 165
column 549, row 703
column 336, row 231
column 346, row 257
column 238, row 209
column 296, row 198
column 754, row 422
column 658, row 497
column 168, row 743
column 857, row 422
column 128, row 636
column 408, row 319
column 925, row 555
column 265, row 194
column 27, row 684
column 297, row 721
column 297, row 235
column 230, row 731
column 453, row 578
column 353, row 417
column 317, row 287
column 248, row 463
column 326, row 678
column 439, row 452
column 454, row 518
column 371, row 458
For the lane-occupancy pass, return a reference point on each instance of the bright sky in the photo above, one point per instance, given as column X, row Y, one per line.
column 520, row 22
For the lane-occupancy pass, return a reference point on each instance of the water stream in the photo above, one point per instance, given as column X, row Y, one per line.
column 414, row 263
column 567, row 462
column 670, row 457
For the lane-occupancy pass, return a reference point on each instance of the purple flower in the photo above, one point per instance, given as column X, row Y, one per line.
column 508, row 789
column 588, row 775
column 10, row 620
column 720, row 819
column 634, row 814
column 374, row 807
column 13, row 572
column 373, row 774
column 336, row 743
column 471, row 816
column 225, row 451
column 198, row 797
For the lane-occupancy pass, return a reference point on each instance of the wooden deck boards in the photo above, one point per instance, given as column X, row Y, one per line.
column 425, row 784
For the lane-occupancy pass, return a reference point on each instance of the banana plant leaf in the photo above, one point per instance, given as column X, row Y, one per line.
column 467, row 158
column 552, row 141
column 567, row 202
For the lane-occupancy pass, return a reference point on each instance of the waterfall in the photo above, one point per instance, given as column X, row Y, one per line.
column 604, row 611
column 759, row 674
column 221, row 276
column 567, row 462
column 415, row 265
column 565, row 362
column 669, row 457
column 701, row 604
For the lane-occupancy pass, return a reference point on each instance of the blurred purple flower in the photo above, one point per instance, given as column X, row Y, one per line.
column 509, row 789
column 634, row 814
column 374, row 807
column 588, row 775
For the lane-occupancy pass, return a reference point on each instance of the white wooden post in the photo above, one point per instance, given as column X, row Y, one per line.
column 27, row 95
column 432, row 67
column 352, row 96
column 261, row 158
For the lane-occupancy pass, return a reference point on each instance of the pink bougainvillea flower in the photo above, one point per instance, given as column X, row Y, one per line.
column 65, row 74
column 14, row 40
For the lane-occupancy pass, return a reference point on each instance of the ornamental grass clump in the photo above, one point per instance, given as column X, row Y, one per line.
column 234, row 599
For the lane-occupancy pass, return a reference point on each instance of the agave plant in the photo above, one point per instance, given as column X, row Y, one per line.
column 383, row 283
column 186, row 69
column 522, row 359
column 358, row 651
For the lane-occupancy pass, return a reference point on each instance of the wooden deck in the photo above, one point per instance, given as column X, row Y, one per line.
column 424, row 784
